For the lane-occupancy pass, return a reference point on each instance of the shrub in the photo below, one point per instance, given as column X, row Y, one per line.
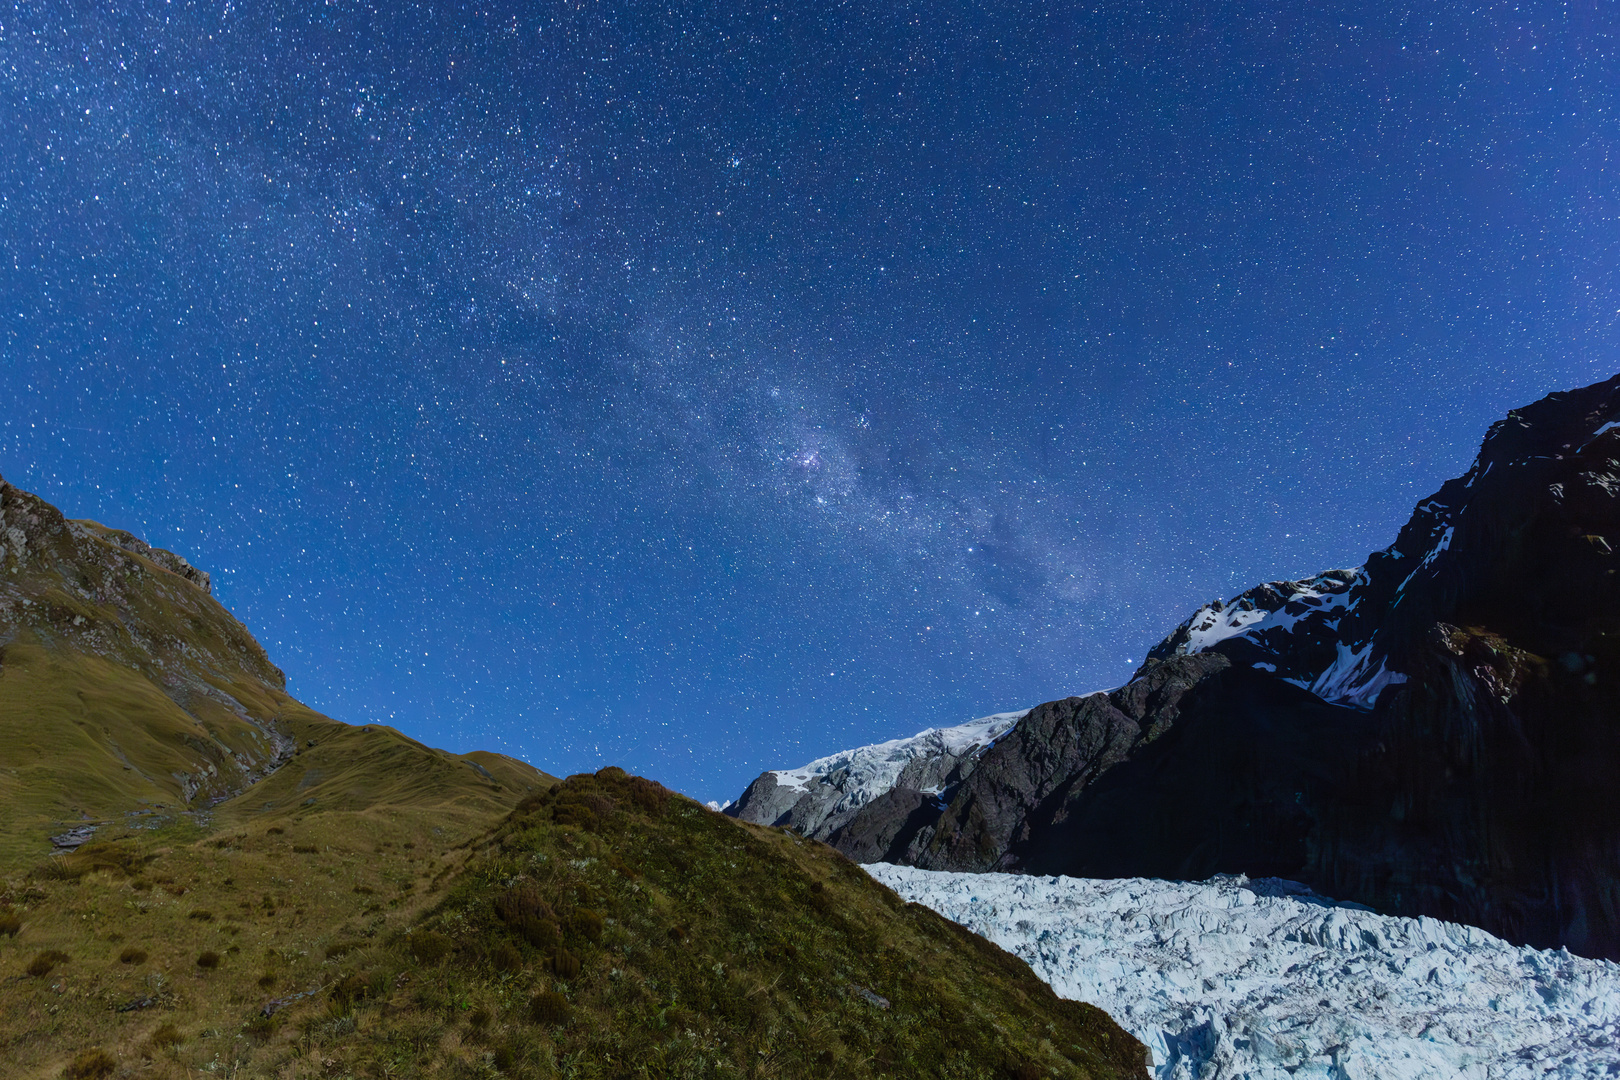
column 338, row 949
column 429, row 947
column 132, row 955
column 140, row 885
column 480, row 1018
column 166, row 1036
column 305, row 849
column 352, row 989
column 10, row 922
column 274, row 830
column 208, row 960
column 267, row 980
column 506, row 957
column 201, row 915
column 525, row 910
column 549, row 1007
column 90, row 1065
column 586, row 923
column 564, row 964
column 41, row 965
column 364, row 890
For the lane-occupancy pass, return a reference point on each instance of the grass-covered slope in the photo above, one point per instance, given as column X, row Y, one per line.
column 124, row 685
column 154, row 949
column 130, row 696
column 611, row 929
column 606, row 929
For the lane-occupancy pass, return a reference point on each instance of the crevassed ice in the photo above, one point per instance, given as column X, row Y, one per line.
column 1232, row 979
column 875, row 769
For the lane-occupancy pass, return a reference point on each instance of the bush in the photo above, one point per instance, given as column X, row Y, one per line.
column 10, row 922
column 90, row 1065
column 208, row 960
column 166, row 1036
column 352, row 989
column 201, row 915
column 506, row 957
column 429, row 948
column 648, row 795
column 305, row 849
column 525, row 910
column 549, row 1007
column 564, row 964
column 586, row 923
column 132, row 955
column 274, row 830
column 41, row 965
column 266, row 981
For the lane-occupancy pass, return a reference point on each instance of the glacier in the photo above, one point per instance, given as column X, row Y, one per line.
column 1239, row 979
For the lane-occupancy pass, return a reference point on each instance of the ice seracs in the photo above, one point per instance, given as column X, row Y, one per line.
column 1232, row 979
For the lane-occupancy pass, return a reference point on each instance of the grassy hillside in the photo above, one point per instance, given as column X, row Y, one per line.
column 270, row 893
column 607, row 928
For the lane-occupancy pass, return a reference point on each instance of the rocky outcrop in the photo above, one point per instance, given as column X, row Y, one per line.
column 123, row 682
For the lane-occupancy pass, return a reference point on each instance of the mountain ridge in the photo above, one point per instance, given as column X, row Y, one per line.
column 1431, row 733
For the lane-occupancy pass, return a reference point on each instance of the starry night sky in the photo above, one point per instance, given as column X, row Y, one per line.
column 705, row 388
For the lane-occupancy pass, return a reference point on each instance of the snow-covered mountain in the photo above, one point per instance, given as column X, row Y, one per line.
column 1435, row 732
column 1233, row 979
column 819, row 798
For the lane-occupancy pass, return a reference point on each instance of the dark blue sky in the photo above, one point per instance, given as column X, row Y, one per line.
column 705, row 388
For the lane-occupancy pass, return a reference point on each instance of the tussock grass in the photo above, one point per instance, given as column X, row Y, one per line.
column 45, row 962
column 93, row 1064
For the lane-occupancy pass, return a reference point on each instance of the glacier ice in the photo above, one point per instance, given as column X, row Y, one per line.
column 1233, row 979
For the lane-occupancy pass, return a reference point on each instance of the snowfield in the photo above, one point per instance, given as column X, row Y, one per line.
column 868, row 771
column 1232, row 979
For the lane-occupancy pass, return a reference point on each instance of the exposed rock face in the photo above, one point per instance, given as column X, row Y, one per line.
column 1436, row 732
column 123, row 682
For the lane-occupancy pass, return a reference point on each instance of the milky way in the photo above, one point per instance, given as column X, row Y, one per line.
column 706, row 388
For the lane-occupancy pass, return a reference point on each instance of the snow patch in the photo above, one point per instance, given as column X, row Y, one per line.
column 1354, row 678
column 1305, row 599
column 872, row 770
column 1233, row 979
